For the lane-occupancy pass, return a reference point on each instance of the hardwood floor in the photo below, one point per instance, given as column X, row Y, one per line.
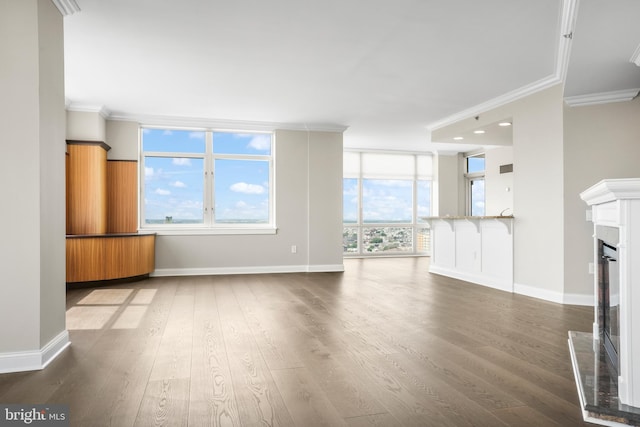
column 382, row 344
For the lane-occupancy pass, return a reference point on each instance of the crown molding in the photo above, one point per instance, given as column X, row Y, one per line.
column 158, row 120
column 508, row 97
column 82, row 108
column 565, row 27
column 601, row 97
column 66, row 7
column 635, row 58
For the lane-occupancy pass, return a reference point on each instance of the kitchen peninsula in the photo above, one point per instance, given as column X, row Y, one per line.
column 477, row 249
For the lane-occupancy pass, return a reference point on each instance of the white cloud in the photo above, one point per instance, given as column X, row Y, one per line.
column 167, row 132
column 181, row 161
column 260, row 142
column 178, row 184
column 243, row 187
column 148, row 172
column 161, row 192
column 196, row 135
column 241, row 205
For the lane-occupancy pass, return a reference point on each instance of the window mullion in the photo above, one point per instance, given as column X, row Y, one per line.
column 208, row 184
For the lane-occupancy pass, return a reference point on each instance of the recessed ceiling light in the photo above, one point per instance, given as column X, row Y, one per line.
column 478, row 131
column 503, row 124
column 458, row 138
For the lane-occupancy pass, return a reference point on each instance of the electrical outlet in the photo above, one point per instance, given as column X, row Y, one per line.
column 591, row 268
column 294, row 249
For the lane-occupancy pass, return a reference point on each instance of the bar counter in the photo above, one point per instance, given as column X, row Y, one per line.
column 477, row 249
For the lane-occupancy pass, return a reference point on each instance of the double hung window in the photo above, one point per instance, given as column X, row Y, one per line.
column 206, row 180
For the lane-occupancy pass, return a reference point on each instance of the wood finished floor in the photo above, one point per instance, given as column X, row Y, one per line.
column 382, row 344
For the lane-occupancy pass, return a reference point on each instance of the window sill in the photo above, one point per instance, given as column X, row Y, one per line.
column 160, row 231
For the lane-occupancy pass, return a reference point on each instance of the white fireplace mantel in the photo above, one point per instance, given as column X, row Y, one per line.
column 616, row 203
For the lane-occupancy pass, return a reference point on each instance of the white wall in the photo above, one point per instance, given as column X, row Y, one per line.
column 122, row 137
column 85, row 126
column 498, row 187
column 325, row 200
column 600, row 141
column 32, row 248
column 447, row 181
column 538, row 196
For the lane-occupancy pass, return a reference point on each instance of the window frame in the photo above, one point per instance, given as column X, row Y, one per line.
column 470, row 177
column 416, row 225
column 208, row 226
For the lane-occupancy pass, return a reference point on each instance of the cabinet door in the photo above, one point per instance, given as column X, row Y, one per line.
column 122, row 196
column 87, row 188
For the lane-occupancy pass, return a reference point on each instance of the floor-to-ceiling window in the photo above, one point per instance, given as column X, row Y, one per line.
column 385, row 195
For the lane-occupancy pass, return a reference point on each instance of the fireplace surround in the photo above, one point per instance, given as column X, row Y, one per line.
column 615, row 212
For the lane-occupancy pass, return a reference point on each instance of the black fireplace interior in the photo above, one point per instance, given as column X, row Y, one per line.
column 609, row 299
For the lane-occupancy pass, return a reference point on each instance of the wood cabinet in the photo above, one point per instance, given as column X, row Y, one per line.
column 102, row 199
column 122, row 196
column 87, row 187
column 109, row 256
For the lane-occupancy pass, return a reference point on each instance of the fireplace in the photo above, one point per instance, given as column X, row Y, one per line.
column 608, row 290
column 615, row 212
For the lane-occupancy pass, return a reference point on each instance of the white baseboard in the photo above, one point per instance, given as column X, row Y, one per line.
column 479, row 279
column 163, row 272
column 579, row 299
column 505, row 285
column 554, row 296
column 36, row 359
column 329, row 268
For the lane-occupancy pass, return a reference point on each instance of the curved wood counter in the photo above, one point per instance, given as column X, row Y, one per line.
column 109, row 256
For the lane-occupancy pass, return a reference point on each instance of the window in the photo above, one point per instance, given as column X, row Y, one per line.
column 384, row 196
column 475, row 184
column 204, row 179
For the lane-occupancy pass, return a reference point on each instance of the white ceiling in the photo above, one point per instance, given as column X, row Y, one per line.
column 386, row 70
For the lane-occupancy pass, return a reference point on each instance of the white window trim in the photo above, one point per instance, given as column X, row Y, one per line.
column 469, row 177
column 208, row 227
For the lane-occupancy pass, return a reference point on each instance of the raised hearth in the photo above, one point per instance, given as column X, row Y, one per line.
column 597, row 383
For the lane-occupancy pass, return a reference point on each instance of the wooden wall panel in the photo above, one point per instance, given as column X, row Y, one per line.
column 87, row 188
column 66, row 192
column 122, row 196
column 109, row 257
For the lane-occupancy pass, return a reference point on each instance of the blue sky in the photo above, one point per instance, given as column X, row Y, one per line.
column 385, row 200
column 174, row 186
